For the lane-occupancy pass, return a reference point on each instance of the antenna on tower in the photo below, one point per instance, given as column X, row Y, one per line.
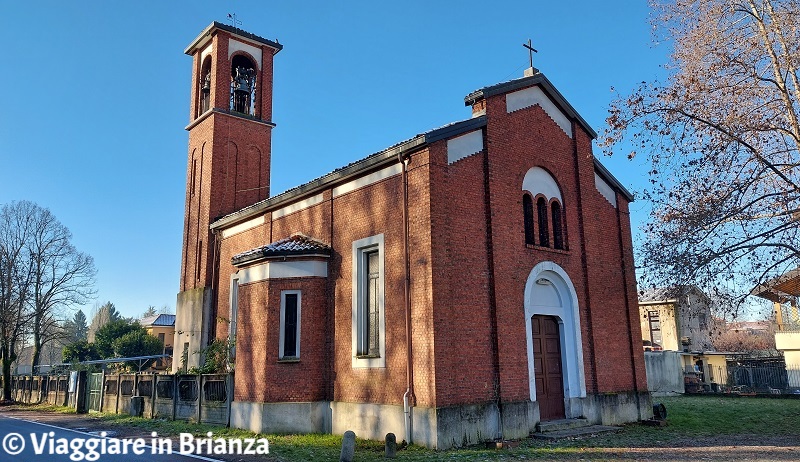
column 234, row 22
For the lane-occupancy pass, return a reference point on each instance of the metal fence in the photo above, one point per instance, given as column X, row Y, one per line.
column 199, row 398
column 746, row 378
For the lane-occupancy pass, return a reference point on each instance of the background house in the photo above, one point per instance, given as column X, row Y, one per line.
column 675, row 319
column 161, row 326
column 676, row 336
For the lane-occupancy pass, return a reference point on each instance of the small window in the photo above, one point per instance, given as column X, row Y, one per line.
column 290, row 324
column 527, row 210
column 655, row 328
column 369, row 341
column 558, row 229
column 541, row 211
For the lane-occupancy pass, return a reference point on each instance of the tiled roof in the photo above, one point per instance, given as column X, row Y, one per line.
column 292, row 246
column 166, row 320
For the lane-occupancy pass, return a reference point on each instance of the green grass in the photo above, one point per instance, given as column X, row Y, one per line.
column 689, row 418
column 49, row 408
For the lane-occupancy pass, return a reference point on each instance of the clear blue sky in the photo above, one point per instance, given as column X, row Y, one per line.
column 96, row 98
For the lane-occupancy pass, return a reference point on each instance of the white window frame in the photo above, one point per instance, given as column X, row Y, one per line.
column 361, row 248
column 299, row 294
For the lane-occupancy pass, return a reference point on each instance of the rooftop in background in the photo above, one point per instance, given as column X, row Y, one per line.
column 166, row 320
column 781, row 289
column 667, row 294
column 749, row 326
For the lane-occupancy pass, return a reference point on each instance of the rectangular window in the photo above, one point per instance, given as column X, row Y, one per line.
column 368, row 303
column 290, row 324
column 370, row 335
column 655, row 328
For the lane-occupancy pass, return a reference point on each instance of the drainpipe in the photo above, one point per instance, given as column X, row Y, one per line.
column 212, row 326
column 409, row 400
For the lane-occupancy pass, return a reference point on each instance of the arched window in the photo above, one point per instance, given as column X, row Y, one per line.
column 527, row 210
column 205, row 86
column 544, row 212
column 243, row 85
column 541, row 212
column 558, row 233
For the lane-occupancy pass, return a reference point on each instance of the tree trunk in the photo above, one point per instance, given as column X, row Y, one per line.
column 37, row 341
column 6, row 375
column 37, row 353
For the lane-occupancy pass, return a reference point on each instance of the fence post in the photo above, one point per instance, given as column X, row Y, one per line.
column 174, row 395
column 119, row 393
column 229, row 396
column 199, row 398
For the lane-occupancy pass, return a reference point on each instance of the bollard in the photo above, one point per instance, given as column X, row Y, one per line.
column 348, row 447
column 659, row 411
column 391, row 446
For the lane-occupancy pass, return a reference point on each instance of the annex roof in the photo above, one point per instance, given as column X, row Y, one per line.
column 296, row 245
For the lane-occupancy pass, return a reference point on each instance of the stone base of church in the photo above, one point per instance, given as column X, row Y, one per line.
column 313, row 417
column 436, row 428
column 615, row 408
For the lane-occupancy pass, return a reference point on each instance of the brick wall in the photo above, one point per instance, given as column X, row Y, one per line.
column 262, row 377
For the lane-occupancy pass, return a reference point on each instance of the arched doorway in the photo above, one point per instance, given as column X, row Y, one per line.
column 555, row 348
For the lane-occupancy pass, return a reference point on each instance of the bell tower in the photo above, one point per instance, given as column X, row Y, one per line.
column 228, row 165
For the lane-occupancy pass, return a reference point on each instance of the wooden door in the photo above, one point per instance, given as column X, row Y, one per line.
column 547, row 367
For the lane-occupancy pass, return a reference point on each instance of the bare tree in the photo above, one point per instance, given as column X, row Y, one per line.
column 41, row 273
column 15, row 278
column 62, row 277
column 102, row 315
column 724, row 140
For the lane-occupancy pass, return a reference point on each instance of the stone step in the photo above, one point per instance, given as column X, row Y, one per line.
column 561, row 424
column 575, row 432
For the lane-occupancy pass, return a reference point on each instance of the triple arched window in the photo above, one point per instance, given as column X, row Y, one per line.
column 543, row 210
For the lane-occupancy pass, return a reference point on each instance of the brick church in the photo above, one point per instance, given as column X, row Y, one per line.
column 458, row 286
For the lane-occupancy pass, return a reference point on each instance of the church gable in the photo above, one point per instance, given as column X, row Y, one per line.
column 534, row 96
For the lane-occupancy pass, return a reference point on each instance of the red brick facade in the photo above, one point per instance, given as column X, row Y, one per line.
column 467, row 257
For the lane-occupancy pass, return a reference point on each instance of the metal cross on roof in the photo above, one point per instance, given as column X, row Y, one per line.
column 531, row 51
column 234, row 22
